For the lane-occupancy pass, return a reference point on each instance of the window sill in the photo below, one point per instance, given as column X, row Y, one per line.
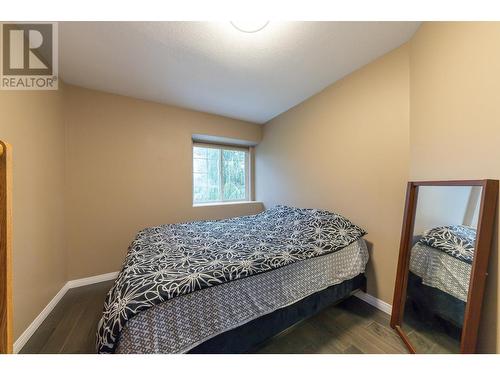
column 225, row 203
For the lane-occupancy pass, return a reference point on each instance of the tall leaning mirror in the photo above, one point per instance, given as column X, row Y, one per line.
column 442, row 266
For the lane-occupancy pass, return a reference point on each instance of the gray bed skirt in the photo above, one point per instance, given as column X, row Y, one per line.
column 250, row 336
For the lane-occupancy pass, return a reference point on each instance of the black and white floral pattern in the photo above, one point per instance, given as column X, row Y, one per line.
column 171, row 260
column 455, row 240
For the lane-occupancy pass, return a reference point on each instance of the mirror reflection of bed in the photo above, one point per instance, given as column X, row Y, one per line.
column 442, row 251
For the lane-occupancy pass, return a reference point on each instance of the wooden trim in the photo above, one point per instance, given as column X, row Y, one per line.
column 6, row 335
column 485, row 228
column 404, row 256
column 479, row 271
column 405, row 339
column 449, row 183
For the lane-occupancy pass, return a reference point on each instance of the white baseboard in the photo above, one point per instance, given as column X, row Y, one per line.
column 91, row 280
column 26, row 335
column 375, row 302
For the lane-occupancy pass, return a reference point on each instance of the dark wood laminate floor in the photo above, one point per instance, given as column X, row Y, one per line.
column 352, row 326
column 72, row 325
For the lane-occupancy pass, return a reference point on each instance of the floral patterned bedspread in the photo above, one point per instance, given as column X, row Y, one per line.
column 175, row 259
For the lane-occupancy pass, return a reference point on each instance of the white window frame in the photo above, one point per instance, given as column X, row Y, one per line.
column 222, row 147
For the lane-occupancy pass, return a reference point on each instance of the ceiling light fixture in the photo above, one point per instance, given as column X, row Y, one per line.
column 249, row 26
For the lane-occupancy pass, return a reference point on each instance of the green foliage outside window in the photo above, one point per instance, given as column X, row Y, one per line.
column 218, row 175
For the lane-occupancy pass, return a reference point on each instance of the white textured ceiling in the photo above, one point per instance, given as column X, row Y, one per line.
column 212, row 67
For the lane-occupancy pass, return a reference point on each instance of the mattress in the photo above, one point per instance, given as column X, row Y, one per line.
column 182, row 323
column 440, row 270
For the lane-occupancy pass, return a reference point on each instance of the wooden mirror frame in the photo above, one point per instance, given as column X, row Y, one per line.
column 485, row 228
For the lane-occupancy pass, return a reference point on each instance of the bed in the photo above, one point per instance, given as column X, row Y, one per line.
column 226, row 286
column 440, row 269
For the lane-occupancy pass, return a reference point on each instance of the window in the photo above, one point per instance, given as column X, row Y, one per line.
column 220, row 173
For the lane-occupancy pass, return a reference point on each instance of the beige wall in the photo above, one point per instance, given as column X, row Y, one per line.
column 31, row 121
column 128, row 165
column 455, row 121
column 346, row 149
